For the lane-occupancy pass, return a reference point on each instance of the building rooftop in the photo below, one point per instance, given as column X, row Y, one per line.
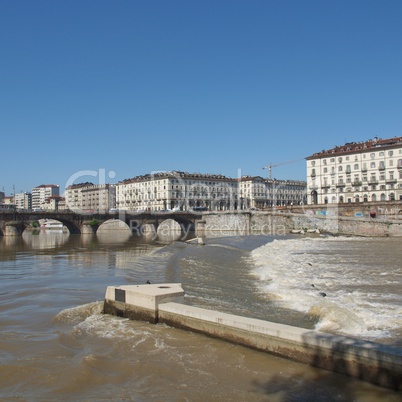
column 354, row 147
column 47, row 185
column 79, row 185
column 175, row 174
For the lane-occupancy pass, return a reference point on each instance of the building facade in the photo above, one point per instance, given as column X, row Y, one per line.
column 176, row 191
column 41, row 194
column 23, row 200
column 89, row 197
column 256, row 192
column 52, row 203
column 185, row 191
column 356, row 172
column 7, row 204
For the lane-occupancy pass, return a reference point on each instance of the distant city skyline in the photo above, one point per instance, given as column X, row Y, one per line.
column 127, row 88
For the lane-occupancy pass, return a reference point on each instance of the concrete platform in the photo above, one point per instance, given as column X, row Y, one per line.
column 141, row 302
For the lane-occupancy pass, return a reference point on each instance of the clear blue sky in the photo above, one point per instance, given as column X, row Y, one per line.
column 208, row 86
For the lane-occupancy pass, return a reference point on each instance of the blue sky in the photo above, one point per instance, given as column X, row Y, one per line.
column 121, row 88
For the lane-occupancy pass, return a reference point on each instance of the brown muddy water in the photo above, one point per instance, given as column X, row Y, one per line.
column 56, row 345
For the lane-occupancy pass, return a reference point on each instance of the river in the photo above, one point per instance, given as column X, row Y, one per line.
column 56, row 345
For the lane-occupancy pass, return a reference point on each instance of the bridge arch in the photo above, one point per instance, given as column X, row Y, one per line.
column 71, row 226
column 113, row 224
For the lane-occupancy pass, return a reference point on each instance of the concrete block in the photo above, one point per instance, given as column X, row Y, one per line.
column 141, row 302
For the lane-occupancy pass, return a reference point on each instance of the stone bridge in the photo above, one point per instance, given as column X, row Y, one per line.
column 216, row 223
column 13, row 223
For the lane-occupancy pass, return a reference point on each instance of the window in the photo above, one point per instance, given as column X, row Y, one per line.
column 356, row 167
column 340, row 168
column 390, row 153
column 372, row 165
column 372, row 156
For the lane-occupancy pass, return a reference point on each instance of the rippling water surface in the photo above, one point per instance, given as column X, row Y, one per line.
column 56, row 345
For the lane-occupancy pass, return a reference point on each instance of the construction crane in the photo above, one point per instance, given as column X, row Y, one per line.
column 270, row 166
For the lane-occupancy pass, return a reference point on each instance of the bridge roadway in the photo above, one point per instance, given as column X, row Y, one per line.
column 74, row 221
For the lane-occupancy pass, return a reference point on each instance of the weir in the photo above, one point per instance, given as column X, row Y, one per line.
column 164, row 303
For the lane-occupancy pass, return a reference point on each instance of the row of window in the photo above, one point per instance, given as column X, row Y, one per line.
column 365, row 198
column 373, row 155
column 373, row 165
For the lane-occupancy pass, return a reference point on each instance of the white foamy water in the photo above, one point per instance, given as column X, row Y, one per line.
column 362, row 283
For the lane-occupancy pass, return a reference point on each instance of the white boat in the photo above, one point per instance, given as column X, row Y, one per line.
column 51, row 225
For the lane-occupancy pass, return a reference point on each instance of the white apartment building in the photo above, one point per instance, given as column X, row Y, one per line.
column 185, row 191
column 176, row 191
column 41, row 193
column 89, row 197
column 356, row 172
column 252, row 192
column 256, row 192
column 23, row 200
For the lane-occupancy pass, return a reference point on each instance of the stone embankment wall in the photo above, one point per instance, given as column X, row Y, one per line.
column 384, row 210
column 282, row 222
